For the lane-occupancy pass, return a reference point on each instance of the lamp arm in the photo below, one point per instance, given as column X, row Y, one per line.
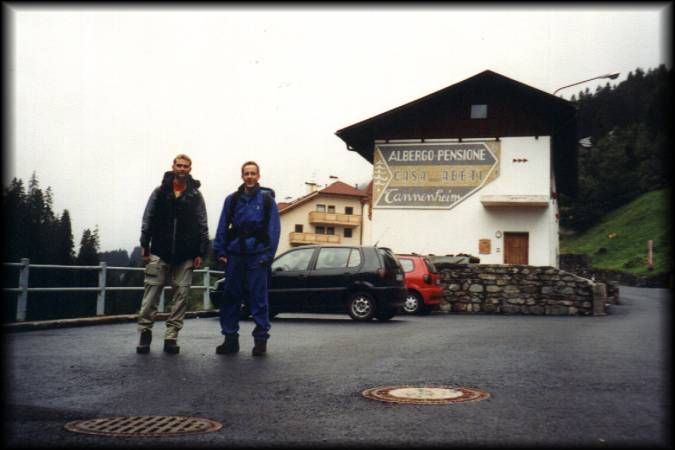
column 612, row 76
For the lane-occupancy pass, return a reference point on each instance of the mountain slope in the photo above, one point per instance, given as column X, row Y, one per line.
column 619, row 241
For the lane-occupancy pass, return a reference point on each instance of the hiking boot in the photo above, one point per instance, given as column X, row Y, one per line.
column 260, row 347
column 230, row 345
column 170, row 346
column 144, row 342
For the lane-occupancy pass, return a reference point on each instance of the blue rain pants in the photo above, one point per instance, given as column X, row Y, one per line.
column 246, row 281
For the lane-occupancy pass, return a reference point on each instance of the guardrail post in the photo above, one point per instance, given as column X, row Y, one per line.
column 100, row 302
column 207, row 288
column 22, row 303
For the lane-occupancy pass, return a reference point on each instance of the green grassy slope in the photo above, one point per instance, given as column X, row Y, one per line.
column 619, row 242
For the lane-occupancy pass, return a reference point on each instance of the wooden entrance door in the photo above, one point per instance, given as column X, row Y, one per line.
column 516, row 248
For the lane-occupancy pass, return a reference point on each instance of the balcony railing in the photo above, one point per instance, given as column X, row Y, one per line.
column 345, row 220
column 313, row 238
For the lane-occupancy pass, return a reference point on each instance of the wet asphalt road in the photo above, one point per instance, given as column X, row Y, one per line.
column 567, row 381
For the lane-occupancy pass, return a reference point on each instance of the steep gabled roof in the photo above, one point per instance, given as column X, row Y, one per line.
column 337, row 188
column 486, row 77
column 340, row 188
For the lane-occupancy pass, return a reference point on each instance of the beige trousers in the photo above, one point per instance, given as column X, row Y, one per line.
column 157, row 273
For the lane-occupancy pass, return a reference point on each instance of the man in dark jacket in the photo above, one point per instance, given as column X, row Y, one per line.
column 246, row 241
column 174, row 238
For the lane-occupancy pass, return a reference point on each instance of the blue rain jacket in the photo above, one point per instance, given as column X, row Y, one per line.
column 248, row 214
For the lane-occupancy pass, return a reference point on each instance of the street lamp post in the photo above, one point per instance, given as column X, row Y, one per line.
column 611, row 76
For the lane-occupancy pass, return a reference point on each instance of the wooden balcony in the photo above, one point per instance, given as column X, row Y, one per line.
column 343, row 220
column 527, row 201
column 313, row 238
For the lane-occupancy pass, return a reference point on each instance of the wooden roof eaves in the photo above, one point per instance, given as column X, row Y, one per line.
column 354, row 128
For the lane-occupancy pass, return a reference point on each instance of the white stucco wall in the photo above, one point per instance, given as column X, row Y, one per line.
column 459, row 229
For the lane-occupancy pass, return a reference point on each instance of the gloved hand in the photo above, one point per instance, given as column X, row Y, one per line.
column 217, row 295
column 265, row 262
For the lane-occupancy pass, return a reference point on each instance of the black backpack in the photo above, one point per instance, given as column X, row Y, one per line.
column 260, row 234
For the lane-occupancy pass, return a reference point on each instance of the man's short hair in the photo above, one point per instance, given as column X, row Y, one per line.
column 250, row 163
column 182, row 156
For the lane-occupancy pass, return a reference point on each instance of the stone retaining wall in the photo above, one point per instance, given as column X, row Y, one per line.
column 582, row 265
column 515, row 289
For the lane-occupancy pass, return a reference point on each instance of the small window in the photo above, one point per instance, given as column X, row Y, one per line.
column 348, row 232
column 407, row 265
column 349, row 210
column 320, row 230
column 479, row 111
column 321, row 208
column 298, row 228
column 330, row 230
column 331, row 209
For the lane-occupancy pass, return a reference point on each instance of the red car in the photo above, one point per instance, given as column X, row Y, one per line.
column 423, row 284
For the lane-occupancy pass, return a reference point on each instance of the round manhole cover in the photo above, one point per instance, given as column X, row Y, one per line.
column 144, row 426
column 424, row 395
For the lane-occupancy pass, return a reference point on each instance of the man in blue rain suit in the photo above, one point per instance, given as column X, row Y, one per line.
column 246, row 242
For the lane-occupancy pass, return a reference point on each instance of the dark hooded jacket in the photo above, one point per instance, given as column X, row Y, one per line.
column 175, row 229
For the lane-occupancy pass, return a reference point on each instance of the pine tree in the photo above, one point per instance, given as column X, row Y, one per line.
column 14, row 204
column 65, row 253
column 88, row 254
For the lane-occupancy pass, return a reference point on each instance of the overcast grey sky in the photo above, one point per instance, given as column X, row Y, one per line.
column 105, row 97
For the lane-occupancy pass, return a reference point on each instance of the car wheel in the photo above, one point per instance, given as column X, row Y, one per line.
column 413, row 303
column 361, row 306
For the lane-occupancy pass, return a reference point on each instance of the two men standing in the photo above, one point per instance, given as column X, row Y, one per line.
column 174, row 239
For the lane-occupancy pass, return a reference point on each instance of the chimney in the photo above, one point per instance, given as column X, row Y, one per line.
column 311, row 186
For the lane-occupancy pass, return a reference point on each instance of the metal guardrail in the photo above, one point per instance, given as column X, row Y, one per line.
column 23, row 289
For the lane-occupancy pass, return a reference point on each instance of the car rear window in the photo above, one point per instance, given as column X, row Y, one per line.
column 430, row 266
column 390, row 261
column 407, row 264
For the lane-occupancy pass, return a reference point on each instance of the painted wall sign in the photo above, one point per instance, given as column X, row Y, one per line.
column 436, row 175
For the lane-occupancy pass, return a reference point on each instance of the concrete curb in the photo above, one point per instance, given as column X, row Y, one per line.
column 99, row 320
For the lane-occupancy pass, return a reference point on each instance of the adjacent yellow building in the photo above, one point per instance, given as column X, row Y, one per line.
column 336, row 214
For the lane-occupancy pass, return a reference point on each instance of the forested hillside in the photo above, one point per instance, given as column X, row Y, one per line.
column 629, row 128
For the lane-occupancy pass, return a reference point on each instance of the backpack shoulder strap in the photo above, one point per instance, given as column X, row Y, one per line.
column 268, row 195
column 267, row 205
column 230, row 212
